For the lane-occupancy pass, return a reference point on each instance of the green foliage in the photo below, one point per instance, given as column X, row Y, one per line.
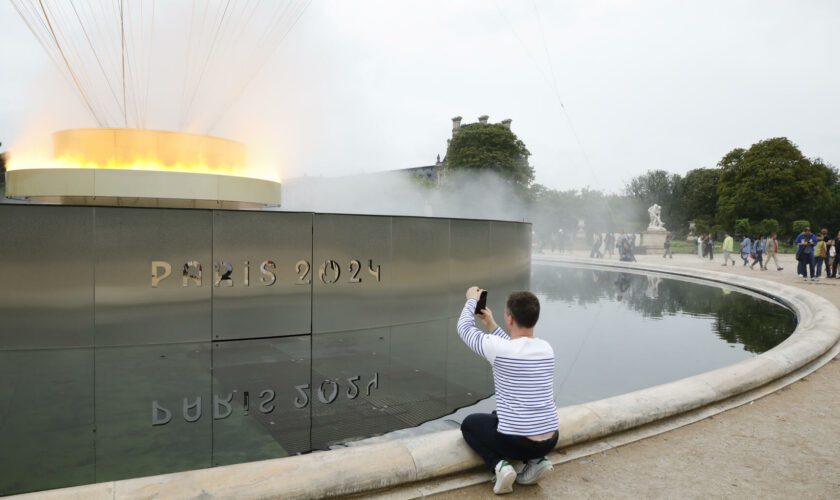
column 655, row 186
column 742, row 227
column 800, row 225
column 696, row 196
column 491, row 147
column 772, row 179
column 702, row 225
column 770, row 226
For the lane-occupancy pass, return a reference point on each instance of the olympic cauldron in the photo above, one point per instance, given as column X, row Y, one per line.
column 138, row 341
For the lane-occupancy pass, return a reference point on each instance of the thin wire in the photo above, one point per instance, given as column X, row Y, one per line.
column 207, row 60
column 122, row 41
column 149, row 64
column 95, row 54
column 67, row 63
column 237, row 94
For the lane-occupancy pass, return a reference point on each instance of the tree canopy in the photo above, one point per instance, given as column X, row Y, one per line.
column 493, row 147
column 772, row 179
column 765, row 187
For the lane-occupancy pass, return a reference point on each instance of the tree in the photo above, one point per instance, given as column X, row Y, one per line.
column 490, row 146
column 800, row 225
column 697, row 195
column 742, row 227
column 770, row 226
column 655, row 186
column 772, row 179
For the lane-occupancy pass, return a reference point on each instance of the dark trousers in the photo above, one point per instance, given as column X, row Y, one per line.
column 834, row 264
column 805, row 259
column 479, row 430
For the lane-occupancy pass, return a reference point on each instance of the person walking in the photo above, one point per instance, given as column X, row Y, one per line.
column 771, row 249
column 758, row 252
column 668, row 247
column 710, row 246
column 746, row 249
column 596, row 248
column 524, row 425
column 805, row 243
column 821, row 255
column 835, row 246
column 628, row 244
column 728, row 246
column 700, row 246
column 609, row 244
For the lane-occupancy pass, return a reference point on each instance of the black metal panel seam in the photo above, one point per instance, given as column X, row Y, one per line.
column 93, row 272
column 212, row 331
column 311, row 320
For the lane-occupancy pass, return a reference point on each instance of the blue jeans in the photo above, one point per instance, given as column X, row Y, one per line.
column 820, row 261
column 805, row 259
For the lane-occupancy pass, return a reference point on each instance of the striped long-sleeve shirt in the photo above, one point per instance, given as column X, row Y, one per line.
column 523, row 373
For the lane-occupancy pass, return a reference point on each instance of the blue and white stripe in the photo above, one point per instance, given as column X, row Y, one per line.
column 523, row 373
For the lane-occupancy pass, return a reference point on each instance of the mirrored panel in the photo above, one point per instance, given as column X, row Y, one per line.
column 46, row 419
column 352, row 272
column 470, row 262
column 510, row 245
column 153, row 409
column 420, row 269
column 153, row 276
column 349, row 392
column 416, row 378
column 469, row 377
column 46, row 264
column 261, row 399
column 261, row 274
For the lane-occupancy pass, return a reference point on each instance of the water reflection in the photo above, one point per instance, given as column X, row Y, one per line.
column 738, row 318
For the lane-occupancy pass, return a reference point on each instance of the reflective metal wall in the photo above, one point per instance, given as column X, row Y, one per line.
column 142, row 341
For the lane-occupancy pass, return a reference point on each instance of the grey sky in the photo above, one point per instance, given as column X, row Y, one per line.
column 368, row 86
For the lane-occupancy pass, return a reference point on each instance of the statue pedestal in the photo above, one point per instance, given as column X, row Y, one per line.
column 653, row 241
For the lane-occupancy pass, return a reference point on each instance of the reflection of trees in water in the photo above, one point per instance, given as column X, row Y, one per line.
column 738, row 317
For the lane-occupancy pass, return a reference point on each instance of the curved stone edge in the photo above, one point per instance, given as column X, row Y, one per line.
column 586, row 428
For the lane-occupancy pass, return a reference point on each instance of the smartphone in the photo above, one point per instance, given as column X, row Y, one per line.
column 482, row 302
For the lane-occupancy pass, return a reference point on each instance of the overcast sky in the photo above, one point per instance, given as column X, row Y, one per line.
column 372, row 85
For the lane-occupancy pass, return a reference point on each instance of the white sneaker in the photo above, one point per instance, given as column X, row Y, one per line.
column 505, row 476
column 534, row 471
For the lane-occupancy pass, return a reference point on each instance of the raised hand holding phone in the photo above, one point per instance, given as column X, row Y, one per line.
column 482, row 302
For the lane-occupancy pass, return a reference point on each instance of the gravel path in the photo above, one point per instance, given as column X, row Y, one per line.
column 786, row 445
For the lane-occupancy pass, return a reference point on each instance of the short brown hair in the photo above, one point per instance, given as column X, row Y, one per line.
column 524, row 307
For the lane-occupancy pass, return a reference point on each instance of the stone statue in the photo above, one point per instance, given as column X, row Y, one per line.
column 655, row 221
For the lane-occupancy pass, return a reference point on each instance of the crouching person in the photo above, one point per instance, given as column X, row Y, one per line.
column 524, row 425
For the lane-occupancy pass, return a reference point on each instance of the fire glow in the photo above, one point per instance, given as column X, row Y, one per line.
column 149, row 150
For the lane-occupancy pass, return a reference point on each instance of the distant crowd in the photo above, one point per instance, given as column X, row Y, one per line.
column 815, row 253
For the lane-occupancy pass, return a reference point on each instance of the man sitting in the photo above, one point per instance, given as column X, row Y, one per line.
column 524, row 425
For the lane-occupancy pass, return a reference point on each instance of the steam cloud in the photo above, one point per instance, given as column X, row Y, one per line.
column 481, row 195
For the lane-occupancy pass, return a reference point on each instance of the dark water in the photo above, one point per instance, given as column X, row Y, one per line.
column 617, row 332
